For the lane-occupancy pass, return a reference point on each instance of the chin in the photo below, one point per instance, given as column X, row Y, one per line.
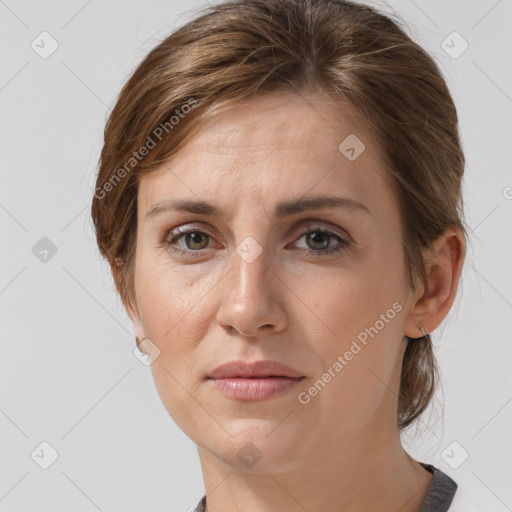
column 257, row 447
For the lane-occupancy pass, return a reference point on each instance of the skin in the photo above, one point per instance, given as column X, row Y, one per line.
column 342, row 450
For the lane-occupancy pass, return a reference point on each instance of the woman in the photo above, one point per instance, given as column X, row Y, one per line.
column 279, row 198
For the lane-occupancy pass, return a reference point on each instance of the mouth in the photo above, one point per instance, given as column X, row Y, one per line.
column 254, row 388
column 250, row 381
column 255, row 369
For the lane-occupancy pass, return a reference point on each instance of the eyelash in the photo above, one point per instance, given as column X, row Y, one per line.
column 180, row 232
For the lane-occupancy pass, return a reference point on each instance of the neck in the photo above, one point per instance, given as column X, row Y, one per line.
column 370, row 472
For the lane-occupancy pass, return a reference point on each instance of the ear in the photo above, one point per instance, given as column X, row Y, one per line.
column 434, row 300
column 131, row 309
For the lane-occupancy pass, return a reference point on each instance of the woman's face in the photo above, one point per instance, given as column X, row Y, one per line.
column 322, row 290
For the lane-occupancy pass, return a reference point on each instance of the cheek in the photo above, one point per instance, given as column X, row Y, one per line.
column 343, row 302
column 356, row 314
column 174, row 305
column 175, row 318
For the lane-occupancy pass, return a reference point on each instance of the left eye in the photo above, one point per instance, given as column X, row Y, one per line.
column 319, row 239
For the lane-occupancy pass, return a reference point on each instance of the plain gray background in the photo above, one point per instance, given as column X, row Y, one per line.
column 68, row 373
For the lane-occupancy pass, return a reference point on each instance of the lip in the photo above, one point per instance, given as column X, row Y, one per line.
column 254, row 388
column 256, row 380
column 263, row 368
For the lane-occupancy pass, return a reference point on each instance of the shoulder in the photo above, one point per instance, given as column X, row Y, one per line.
column 462, row 502
column 445, row 495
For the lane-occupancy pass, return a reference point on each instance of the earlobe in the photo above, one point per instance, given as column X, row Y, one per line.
column 141, row 344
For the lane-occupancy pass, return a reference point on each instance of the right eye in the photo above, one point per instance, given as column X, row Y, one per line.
column 192, row 238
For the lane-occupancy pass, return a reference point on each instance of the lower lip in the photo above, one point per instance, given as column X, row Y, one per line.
column 257, row 388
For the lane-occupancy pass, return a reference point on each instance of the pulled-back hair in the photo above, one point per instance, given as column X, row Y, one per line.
column 348, row 51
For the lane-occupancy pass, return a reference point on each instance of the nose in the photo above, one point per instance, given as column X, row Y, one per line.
column 251, row 297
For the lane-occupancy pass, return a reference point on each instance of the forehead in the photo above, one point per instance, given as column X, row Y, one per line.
column 268, row 149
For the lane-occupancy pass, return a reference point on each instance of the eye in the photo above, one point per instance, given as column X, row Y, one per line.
column 318, row 240
column 193, row 240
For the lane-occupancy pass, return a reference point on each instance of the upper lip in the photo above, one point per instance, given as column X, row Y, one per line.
column 264, row 368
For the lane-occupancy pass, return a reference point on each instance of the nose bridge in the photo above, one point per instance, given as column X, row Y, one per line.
column 249, row 260
column 249, row 279
column 248, row 300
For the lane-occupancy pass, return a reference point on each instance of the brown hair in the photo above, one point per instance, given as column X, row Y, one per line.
column 239, row 48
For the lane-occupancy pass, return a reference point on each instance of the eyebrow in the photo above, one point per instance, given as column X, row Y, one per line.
column 283, row 209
